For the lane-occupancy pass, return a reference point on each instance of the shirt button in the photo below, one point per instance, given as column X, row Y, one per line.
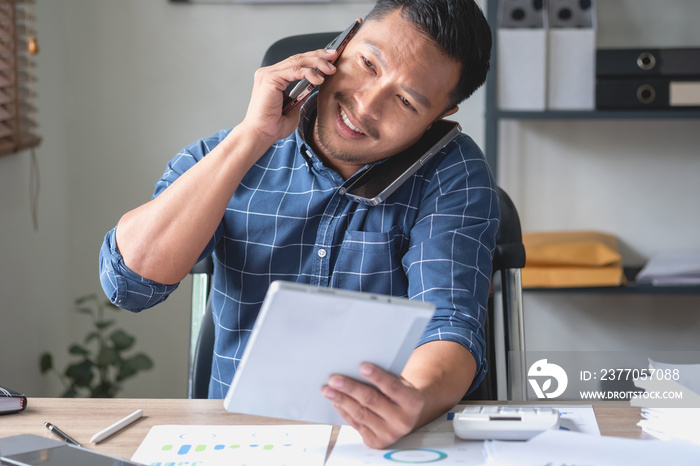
column 322, row 253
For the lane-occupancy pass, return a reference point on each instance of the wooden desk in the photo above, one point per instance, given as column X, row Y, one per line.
column 82, row 418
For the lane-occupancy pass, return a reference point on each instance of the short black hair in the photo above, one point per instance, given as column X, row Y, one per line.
column 457, row 27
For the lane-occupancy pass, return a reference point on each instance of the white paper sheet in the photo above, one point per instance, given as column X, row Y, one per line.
column 272, row 445
column 673, row 418
column 436, row 442
column 560, row 448
column 417, row 448
column 671, row 269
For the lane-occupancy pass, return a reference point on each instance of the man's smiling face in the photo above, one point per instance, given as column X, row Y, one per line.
column 391, row 83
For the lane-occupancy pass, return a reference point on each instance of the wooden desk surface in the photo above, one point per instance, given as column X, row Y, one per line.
column 82, row 418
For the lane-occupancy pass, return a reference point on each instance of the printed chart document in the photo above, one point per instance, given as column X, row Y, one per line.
column 292, row 445
column 437, row 443
column 418, row 448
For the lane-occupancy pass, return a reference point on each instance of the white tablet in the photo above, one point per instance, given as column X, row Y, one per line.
column 305, row 333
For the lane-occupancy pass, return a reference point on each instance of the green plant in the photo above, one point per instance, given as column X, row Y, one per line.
column 102, row 365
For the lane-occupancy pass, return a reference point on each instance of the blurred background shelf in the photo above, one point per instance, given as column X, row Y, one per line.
column 632, row 287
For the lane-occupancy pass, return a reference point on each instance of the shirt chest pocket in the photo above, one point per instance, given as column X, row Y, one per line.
column 371, row 262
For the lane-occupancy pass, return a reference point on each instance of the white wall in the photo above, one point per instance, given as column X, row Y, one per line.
column 122, row 86
column 35, row 266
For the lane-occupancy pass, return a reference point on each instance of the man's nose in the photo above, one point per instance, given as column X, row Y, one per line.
column 369, row 101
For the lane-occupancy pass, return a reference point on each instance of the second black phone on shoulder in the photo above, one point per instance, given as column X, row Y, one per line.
column 375, row 184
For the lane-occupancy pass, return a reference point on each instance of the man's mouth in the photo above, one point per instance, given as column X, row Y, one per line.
column 348, row 123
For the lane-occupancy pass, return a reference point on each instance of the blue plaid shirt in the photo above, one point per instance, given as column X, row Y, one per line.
column 431, row 240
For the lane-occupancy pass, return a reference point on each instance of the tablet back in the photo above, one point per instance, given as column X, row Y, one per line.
column 305, row 333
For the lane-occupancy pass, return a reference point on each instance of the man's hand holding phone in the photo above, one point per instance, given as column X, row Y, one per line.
column 272, row 113
column 264, row 116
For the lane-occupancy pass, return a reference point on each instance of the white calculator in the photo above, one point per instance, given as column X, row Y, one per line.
column 504, row 422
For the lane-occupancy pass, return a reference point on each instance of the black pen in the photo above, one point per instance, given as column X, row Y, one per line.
column 61, row 434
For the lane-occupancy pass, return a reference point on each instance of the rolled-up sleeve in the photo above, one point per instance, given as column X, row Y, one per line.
column 123, row 287
column 449, row 261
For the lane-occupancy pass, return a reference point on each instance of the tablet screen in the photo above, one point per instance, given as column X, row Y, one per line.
column 64, row 455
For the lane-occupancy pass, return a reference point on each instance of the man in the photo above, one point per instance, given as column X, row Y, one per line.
column 267, row 197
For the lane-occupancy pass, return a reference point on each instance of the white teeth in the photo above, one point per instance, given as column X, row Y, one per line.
column 344, row 116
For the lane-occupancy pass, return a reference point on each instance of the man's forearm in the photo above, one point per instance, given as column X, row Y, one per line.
column 162, row 239
column 442, row 371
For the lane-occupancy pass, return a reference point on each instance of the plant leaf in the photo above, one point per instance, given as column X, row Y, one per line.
column 103, row 324
column 85, row 310
column 126, row 371
column 87, row 297
column 91, row 336
column 46, row 362
column 122, row 340
column 105, row 389
column 133, row 365
column 141, row 362
column 70, row 393
column 80, row 373
column 77, row 349
column 107, row 356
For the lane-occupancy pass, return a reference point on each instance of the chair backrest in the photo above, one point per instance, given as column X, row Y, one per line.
column 288, row 46
column 509, row 258
column 510, row 251
column 201, row 330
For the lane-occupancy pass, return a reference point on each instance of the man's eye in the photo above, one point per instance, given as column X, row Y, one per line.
column 405, row 101
column 367, row 63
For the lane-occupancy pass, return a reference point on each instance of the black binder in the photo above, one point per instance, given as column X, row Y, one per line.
column 648, row 62
column 656, row 93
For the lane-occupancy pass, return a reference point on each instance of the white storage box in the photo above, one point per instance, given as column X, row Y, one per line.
column 571, row 62
column 522, row 55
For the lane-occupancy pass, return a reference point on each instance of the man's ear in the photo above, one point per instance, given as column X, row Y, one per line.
column 449, row 112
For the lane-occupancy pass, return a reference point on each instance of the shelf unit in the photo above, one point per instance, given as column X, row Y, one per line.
column 493, row 117
column 630, row 288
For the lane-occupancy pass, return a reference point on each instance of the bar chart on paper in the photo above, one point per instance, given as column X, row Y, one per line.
column 234, row 445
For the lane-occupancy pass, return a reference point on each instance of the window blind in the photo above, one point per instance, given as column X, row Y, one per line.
column 18, row 127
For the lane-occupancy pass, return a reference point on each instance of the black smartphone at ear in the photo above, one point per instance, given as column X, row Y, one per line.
column 303, row 88
column 376, row 184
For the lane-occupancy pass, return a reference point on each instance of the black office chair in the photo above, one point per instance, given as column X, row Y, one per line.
column 201, row 330
column 509, row 258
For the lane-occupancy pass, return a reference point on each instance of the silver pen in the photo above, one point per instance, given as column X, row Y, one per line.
column 62, row 434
